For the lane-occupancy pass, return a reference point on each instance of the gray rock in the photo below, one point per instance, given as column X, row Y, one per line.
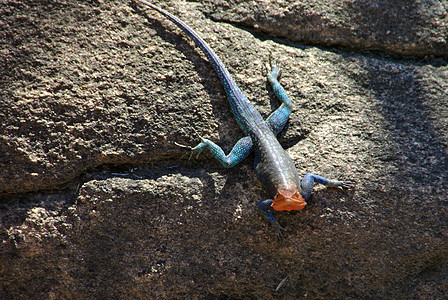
column 399, row 27
column 98, row 202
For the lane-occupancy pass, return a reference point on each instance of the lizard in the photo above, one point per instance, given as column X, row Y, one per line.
column 273, row 166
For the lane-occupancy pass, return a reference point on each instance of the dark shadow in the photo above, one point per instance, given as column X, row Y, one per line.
column 416, row 145
column 401, row 99
column 398, row 27
column 435, row 60
column 408, row 196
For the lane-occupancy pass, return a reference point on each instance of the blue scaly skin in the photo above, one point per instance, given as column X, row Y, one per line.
column 273, row 166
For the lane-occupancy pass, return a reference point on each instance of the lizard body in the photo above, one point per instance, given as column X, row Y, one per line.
column 273, row 166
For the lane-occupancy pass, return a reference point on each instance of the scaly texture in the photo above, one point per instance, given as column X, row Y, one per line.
column 273, row 166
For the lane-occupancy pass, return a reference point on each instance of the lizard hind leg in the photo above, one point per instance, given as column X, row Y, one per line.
column 278, row 119
column 239, row 152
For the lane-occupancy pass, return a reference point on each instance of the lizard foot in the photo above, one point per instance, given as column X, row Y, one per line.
column 349, row 184
column 198, row 149
column 187, row 147
column 279, row 232
column 275, row 71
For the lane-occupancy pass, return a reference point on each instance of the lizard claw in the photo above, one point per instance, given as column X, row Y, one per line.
column 182, row 146
column 198, row 149
column 273, row 70
column 279, row 232
column 349, row 184
column 267, row 68
column 192, row 149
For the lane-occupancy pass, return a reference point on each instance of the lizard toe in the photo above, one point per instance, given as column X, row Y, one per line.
column 349, row 184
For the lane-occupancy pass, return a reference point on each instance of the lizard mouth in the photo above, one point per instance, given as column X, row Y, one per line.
column 288, row 199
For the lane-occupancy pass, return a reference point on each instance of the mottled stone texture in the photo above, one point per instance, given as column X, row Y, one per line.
column 404, row 27
column 98, row 202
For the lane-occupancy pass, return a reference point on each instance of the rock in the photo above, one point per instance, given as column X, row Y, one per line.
column 98, row 202
column 416, row 28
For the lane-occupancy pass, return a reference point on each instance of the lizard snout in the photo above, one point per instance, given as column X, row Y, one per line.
column 288, row 199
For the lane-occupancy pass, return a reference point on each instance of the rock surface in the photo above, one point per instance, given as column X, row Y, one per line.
column 98, row 202
column 401, row 27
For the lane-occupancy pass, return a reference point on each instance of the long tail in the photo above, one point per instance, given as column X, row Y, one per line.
column 229, row 85
column 245, row 113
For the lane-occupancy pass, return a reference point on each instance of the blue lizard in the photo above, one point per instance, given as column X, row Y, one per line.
column 273, row 166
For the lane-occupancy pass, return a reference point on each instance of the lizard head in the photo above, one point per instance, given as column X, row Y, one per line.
column 288, row 198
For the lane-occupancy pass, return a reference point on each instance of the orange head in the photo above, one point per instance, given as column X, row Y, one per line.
column 288, row 198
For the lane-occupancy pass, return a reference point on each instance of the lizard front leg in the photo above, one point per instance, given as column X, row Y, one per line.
column 309, row 179
column 239, row 152
column 265, row 207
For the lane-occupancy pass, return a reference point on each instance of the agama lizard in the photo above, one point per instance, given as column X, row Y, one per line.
column 273, row 166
